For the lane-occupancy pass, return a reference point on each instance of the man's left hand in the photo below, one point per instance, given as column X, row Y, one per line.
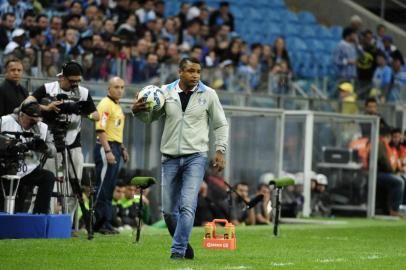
column 219, row 161
column 124, row 152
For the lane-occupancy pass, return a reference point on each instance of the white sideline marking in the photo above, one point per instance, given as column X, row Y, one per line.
column 282, row 264
column 330, row 260
column 237, row 267
column 371, row 257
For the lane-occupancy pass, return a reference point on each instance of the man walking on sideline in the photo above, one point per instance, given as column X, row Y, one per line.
column 189, row 107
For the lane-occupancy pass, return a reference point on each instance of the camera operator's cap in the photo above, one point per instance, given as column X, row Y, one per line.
column 31, row 108
column 70, row 69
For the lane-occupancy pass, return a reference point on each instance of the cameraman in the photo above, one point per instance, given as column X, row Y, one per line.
column 27, row 120
column 67, row 98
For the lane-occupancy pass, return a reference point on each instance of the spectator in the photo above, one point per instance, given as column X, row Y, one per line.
column 250, row 74
column 196, row 52
column 222, row 37
column 380, row 33
column 42, row 22
column 348, row 98
column 108, row 29
column 6, row 29
column 234, row 52
column 37, row 42
column 263, row 208
column 191, row 35
column 400, row 149
column 398, row 87
column 18, row 8
column 12, row 93
column 281, row 78
column 149, row 71
column 205, row 209
column 70, row 42
column 117, row 205
column 160, row 9
column 388, row 181
column 128, row 29
column 366, row 63
column 169, row 31
column 28, row 20
column 147, row 11
column 222, row 16
column 320, row 198
column 279, row 52
column 54, row 33
column 195, row 10
column 16, row 45
column 388, row 48
column 129, row 206
column 345, row 56
column 49, row 70
column 356, row 24
column 371, row 108
column 382, row 78
column 239, row 215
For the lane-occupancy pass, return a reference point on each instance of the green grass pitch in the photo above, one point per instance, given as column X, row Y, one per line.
column 357, row 244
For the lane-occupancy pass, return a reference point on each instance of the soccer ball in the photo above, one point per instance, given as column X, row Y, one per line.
column 153, row 96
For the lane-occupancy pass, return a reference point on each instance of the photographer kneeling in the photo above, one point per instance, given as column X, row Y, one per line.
column 63, row 103
column 34, row 140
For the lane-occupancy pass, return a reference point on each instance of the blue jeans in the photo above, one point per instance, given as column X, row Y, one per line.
column 106, row 178
column 395, row 186
column 181, row 181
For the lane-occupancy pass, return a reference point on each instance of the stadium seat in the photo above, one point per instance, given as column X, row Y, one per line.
column 323, row 32
column 307, row 31
column 314, row 45
column 290, row 17
column 336, row 32
column 277, row 3
column 306, row 17
column 290, row 30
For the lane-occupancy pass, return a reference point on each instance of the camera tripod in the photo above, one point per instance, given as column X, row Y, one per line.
column 64, row 170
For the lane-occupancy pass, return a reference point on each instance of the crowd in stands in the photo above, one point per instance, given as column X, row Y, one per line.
column 373, row 60
column 135, row 39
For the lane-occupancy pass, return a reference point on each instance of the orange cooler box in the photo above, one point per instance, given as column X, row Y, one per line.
column 212, row 240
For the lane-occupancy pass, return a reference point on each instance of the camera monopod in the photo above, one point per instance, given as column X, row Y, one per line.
column 141, row 182
column 279, row 184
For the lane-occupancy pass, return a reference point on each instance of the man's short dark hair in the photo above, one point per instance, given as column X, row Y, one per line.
column 5, row 15
column 397, row 55
column 396, row 130
column 40, row 16
column 261, row 186
column 28, row 13
column 10, row 60
column 71, row 68
column 242, row 183
column 348, row 31
column 185, row 60
column 224, row 4
column 35, row 31
column 384, row 130
column 370, row 100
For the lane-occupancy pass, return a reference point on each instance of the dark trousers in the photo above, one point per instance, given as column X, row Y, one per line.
column 106, row 178
column 45, row 181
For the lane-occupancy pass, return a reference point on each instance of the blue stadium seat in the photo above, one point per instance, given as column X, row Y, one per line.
column 276, row 3
column 315, row 45
column 273, row 15
column 295, row 44
column 307, row 31
column 306, row 17
column 336, row 32
column 323, row 32
column 289, row 16
column 290, row 30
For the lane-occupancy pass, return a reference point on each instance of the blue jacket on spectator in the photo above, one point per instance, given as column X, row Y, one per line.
column 343, row 53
